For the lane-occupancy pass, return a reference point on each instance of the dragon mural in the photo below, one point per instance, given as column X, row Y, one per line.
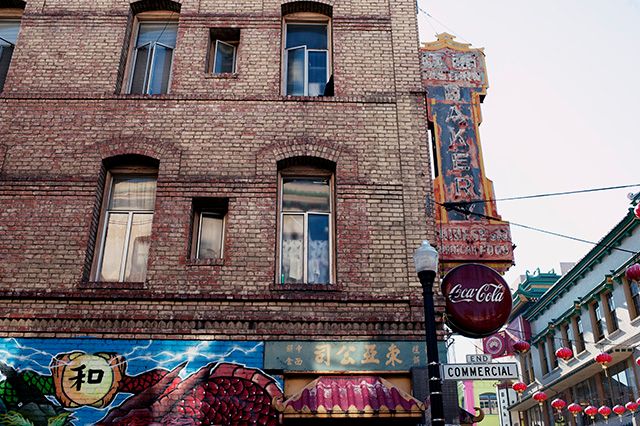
column 96, row 388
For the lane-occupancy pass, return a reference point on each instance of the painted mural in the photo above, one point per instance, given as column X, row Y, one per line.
column 469, row 227
column 60, row 382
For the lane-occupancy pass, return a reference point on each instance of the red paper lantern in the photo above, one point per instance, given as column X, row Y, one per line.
column 540, row 397
column 633, row 272
column 637, row 210
column 604, row 359
column 521, row 346
column 591, row 411
column 564, row 354
column 604, row 411
column 574, row 409
column 638, row 360
column 519, row 387
column 558, row 404
column 631, row 406
column 619, row 409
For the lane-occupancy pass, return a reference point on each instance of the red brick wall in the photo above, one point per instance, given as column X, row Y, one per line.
column 61, row 116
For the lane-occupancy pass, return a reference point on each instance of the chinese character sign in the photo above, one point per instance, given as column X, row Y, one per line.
column 344, row 356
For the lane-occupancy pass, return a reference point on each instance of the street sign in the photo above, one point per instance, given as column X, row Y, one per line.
column 478, row 358
column 491, row 371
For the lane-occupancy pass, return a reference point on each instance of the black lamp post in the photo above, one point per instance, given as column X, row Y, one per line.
column 426, row 262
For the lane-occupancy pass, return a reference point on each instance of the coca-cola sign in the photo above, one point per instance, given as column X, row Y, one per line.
column 478, row 300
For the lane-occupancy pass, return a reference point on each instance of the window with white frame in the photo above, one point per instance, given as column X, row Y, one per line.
column 634, row 291
column 597, row 321
column 152, row 57
column 306, row 56
column 306, row 228
column 224, row 50
column 9, row 29
column 126, row 228
column 209, row 219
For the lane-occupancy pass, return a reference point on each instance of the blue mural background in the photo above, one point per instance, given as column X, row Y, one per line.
column 140, row 355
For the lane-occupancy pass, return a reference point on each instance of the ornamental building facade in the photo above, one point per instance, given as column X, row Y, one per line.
column 208, row 211
column 593, row 309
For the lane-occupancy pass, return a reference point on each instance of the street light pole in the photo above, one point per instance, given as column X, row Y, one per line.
column 426, row 262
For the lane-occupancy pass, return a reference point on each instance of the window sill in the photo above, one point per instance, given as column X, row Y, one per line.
column 635, row 321
column 112, row 285
column 305, row 287
column 205, row 262
column 222, row 76
column 614, row 334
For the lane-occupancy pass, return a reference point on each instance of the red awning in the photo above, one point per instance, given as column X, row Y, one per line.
column 352, row 396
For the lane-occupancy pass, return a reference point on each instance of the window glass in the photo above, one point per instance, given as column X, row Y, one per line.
column 153, row 57
column 318, row 253
column 292, row 248
column 306, row 59
column 210, row 236
column 317, row 73
column 313, row 36
column 127, row 230
column 133, row 193
column 225, row 58
column 157, row 32
column 635, row 296
column 306, row 230
column 8, row 37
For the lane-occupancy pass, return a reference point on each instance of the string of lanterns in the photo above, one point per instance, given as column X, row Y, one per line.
column 604, row 359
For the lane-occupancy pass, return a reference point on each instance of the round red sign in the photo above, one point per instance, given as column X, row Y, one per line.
column 478, row 300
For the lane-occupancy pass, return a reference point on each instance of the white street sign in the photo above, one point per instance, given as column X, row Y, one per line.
column 492, row 371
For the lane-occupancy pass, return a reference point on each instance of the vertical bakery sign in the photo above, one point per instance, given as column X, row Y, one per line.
column 470, row 230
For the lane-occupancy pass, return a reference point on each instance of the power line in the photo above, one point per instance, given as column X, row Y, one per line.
column 421, row 10
column 546, row 194
column 458, row 208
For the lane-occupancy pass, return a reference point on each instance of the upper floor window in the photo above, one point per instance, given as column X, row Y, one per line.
column 9, row 29
column 307, row 55
column 209, row 218
column 632, row 293
column 306, row 225
column 551, row 347
column 578, row 333
column 597, row 321
column 152, row 55
column 610, row 310
column 126, row 220
column 224, row 50
column 544, row 361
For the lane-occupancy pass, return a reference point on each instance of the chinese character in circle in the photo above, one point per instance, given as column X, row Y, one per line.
column 93, row 377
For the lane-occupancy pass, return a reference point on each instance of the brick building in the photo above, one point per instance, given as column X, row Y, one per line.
column 209, row 198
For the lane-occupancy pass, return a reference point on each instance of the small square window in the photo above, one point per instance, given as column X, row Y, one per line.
column 224, row 50
column 209, row 217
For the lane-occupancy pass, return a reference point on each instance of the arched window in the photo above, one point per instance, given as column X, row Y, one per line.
column 9, row 27
column 126, row 219
column 306, row 222
column 307, row 53
column 152, row 45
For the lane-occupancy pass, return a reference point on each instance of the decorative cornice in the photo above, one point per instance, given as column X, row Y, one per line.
column 446, row 40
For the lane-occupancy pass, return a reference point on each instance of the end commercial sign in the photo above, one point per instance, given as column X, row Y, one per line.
column 490, row 371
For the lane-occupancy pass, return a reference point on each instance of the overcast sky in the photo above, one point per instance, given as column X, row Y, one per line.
column 562, row 113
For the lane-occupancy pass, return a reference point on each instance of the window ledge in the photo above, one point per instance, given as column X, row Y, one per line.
column 222, row 76
column 99, row 285
column 614, row 334
column 205, row 262
column 635, row 321
column 305, row 287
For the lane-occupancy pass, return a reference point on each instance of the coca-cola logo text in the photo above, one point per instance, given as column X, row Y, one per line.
column 478, row 300
column 487, row 293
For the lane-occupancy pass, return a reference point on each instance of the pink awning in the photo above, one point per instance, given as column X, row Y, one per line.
column 352, row 396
